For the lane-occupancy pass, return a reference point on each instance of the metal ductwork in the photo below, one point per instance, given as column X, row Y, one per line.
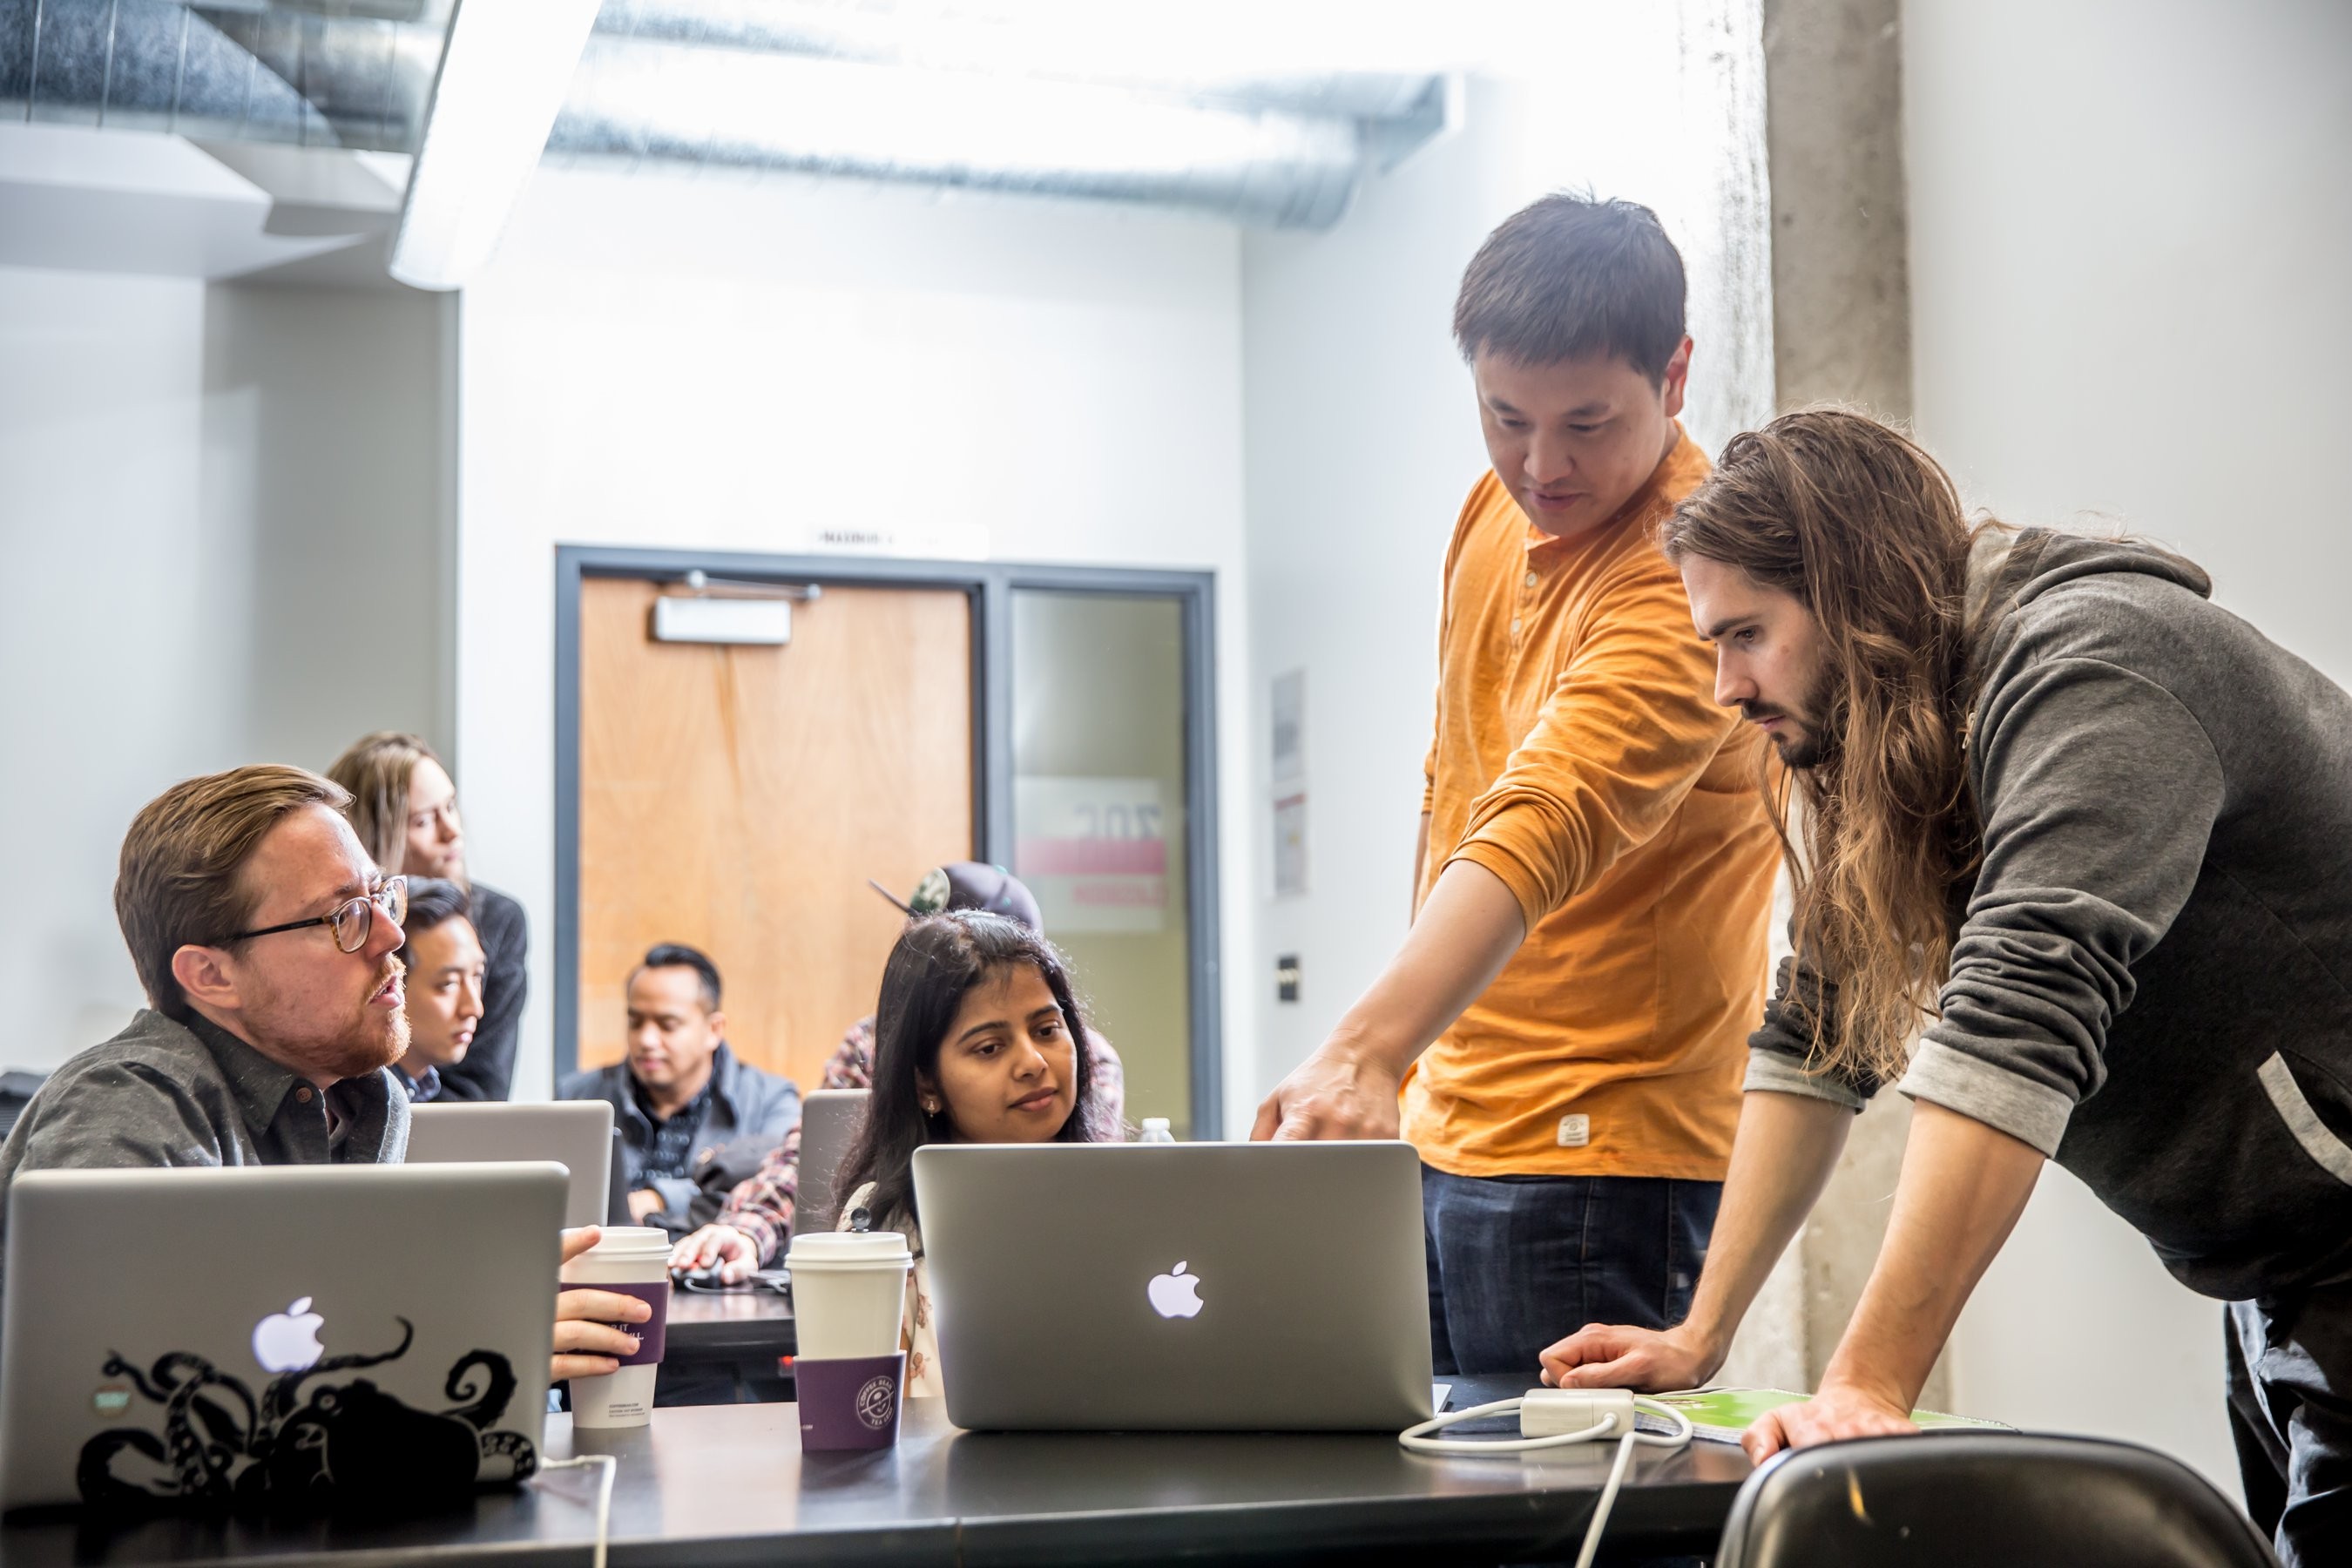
column 799, row 85
column 757, row 109
column 345, row 75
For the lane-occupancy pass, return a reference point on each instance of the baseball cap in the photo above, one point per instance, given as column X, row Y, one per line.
column 969, row 885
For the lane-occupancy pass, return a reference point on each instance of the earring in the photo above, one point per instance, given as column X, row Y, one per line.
column 930, row 1107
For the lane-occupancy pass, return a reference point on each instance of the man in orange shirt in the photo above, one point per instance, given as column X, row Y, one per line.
column 1563, row 1033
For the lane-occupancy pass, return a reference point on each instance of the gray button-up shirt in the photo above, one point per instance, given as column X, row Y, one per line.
column 164, row 1093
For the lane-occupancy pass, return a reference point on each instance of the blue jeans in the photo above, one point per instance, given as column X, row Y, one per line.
column 1518, row 1263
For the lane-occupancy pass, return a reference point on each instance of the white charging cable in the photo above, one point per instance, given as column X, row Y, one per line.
column 604, row 1494
column 1561, row 1418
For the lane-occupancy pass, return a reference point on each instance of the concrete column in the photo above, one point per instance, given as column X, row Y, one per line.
column 1842, row 333
column 1840, row 273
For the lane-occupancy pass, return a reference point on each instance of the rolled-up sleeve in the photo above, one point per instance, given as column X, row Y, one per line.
column 2100, row 794
column 1629, row 727
column 1781, row 1053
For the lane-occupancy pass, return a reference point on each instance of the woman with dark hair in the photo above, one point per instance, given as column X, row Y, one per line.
column 751, row 1229
column 405, row 809
column 443, row 956
column 978, row 1039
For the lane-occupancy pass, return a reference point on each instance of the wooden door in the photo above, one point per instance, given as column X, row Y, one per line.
column 737, row 798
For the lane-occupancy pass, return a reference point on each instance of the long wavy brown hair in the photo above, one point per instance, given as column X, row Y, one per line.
column 1865, row 529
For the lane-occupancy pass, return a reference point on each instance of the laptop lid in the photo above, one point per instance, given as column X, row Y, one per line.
column 292, row 1337
column 576, row 1134
column 831, row 1120
column 1243, row 1287
column 617, row 1190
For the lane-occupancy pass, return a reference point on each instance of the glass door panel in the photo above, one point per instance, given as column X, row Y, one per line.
column 1099, row 828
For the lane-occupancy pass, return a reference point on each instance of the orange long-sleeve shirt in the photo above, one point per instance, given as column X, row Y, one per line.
column 1580, row 757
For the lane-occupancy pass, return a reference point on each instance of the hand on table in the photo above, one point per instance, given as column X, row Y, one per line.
column 1839, row 1410
column 1331, row 1094
column 1602, row 1355
column 586, row 1344
column 716, row 1246
column 645, row 1204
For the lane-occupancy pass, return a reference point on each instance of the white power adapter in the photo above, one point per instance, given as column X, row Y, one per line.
column 1555, row 1412
column 1553, row 1418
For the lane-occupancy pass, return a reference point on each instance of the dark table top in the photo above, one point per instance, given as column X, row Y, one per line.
column 728, row 1325
column 728, row 1484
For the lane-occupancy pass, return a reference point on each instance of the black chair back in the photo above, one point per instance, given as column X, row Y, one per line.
column 2017, row 1500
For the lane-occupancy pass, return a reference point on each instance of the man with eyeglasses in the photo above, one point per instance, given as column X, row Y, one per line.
column 264, row 938
column 266, row 941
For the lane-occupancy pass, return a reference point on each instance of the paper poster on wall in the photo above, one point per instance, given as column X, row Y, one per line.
column 1290, row 845
column 1290, row 716
column 1094, row 850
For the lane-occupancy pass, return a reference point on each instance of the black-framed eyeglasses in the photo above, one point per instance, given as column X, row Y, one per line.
column 351, row 922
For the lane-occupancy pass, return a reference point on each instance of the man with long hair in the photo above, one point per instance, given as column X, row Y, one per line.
column 1561, row 1034
column 2095, row 834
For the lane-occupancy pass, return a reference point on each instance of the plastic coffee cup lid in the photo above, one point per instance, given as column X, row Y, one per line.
column 848, row 1249
column 630, row 1241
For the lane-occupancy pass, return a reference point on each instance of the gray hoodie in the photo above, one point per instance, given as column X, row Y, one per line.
column 2152, row 979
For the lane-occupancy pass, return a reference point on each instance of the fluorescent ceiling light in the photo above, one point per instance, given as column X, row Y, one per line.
column 502, row 81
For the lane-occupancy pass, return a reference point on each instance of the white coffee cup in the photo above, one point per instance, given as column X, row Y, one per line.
column 848, row 1290
column 635, row 1256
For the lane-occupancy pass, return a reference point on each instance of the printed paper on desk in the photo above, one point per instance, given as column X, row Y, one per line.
column 1724, row 1415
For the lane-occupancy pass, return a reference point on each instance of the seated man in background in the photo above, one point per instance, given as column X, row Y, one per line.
column 749, row 1231
column 680, row 1091
column 444, row 962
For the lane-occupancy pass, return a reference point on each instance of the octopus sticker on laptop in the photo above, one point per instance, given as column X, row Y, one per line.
column 304, row 1446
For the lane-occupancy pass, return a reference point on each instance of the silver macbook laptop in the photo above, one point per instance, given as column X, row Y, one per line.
column 577, row 1134
column 831, row 1120
column 1240, row 1287
column 278, row 1339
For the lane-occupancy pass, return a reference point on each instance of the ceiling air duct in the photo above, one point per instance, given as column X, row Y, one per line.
column 967, row 96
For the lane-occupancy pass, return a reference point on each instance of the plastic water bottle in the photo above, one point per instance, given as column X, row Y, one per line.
column 1155, row 1131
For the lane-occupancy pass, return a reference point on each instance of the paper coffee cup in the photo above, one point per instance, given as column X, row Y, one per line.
column 628, row 1260
column 851, row 1402
column 848, row 1290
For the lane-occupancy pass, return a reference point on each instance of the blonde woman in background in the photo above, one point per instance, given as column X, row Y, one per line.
column 405, row 809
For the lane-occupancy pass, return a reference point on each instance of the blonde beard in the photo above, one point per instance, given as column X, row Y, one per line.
column 360, row 1047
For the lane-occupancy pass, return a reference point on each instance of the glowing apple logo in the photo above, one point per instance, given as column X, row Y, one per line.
column 1175, row 1294
column 288, row 1341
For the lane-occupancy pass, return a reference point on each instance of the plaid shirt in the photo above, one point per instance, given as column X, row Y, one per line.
column 761, row 1205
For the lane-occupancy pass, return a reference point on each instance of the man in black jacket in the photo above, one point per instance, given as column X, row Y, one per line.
column 680, row 1093
column 2098, row 833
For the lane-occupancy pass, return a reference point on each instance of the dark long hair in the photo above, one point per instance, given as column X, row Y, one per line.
column 1864, row 528
column 940, row 961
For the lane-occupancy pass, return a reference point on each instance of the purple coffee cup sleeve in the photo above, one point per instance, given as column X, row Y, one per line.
column 653, row 1332
column 851, row 1402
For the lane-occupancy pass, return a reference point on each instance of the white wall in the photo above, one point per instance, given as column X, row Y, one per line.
column 2129, row 241
column 202, row 492
column 725, row 364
